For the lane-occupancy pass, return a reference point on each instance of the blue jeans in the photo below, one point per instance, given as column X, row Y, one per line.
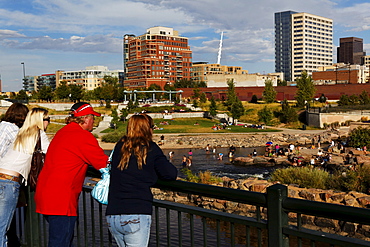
column 130, row 230
column 9, row 192
column 61, row 229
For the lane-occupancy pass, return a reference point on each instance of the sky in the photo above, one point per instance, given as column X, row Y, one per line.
column 50, row 35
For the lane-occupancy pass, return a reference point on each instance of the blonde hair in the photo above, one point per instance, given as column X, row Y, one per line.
column 28, row 134
column 136, row 141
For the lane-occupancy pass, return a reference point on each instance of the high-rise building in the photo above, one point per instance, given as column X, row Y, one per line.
column 302, row 42
column 160, row 56
column 350, row 50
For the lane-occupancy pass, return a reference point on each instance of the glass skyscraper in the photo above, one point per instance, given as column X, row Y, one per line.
column 302, row 42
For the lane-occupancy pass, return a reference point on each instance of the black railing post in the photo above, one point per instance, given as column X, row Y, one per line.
column 32, row 222
column 277, row 218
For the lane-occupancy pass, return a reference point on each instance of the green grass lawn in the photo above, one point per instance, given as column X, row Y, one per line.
column 193, row 125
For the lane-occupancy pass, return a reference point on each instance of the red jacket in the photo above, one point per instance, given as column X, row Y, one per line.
column 61, row 179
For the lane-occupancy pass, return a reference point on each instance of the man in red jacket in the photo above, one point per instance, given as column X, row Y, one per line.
column 60, row 182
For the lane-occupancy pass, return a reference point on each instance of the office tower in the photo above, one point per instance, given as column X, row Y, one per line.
column 160, row 56
column 302, row 42
column 350, row 50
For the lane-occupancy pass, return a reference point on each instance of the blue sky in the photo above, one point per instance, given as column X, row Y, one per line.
column 50, row 35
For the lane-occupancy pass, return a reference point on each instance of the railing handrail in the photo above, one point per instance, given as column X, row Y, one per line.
column 314, row 208
column 328, row 210
column 242, row 196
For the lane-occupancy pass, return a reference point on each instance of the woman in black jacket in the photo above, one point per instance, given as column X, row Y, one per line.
column 137, row 163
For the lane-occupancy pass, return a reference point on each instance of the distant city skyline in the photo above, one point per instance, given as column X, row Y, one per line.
column 50, row 35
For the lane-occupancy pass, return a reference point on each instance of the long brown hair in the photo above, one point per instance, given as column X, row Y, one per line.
column 136, row 141
column 16, row 114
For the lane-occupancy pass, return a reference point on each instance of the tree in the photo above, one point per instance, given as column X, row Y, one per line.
column 196, row 93
column 124, row 114
column 343, row 100
column 195, row 103
column 354, row 99
column 287, row 114
column 213, row 107
column 237, row 109
column 306, row 89
column 254, row 99
column 281, row 83
column 364, row 98
column 22, row 95
column 115, row 118
column 109, row 90
column 76, row 92
column 269, row 94
column 231, row 95
column 265, row 115
column 186, row 83
column 62, row 91
column 233, row 103
column 203, row 98
column 45, row 93
column 130, row 105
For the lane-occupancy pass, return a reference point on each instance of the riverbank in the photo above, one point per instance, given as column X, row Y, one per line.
column 286, row 137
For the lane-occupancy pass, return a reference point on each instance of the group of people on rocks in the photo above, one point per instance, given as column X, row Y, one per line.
column 136, row 164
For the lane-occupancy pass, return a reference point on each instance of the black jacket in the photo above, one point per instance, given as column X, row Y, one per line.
column 129, row 189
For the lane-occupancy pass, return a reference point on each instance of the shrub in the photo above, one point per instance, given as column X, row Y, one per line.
column 303, row 176
column 352, row 180
column 205, row 177
column 190, row 176
column 112, row 137
column 359, row 137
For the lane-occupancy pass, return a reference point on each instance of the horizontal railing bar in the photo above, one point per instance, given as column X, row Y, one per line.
column 208, row 213
column 325, row 237
column 247, row 197
column 327, row 210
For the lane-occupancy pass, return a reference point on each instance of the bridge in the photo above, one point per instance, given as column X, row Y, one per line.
column 176, row 224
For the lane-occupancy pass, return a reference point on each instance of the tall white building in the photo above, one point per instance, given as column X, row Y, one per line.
column 302, row 42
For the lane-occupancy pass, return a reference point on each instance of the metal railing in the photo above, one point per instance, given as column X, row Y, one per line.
column 176, row 224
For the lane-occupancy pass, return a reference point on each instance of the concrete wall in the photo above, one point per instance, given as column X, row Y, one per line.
column 318, row 119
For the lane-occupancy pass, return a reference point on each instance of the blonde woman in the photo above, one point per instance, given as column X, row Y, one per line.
column 15, row 165
column 136, row 165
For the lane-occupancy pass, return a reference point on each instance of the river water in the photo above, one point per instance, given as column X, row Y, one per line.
column 203, row 161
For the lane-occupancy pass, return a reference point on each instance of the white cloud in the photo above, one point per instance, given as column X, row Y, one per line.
column 90, row 44
column 355, row 18
column 4, row 34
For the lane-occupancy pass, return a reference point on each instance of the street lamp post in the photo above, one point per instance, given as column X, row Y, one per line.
column 24, row 74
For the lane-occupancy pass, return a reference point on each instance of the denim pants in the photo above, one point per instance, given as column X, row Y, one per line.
column 9, row 192
column 61, row 229
column 130, row 230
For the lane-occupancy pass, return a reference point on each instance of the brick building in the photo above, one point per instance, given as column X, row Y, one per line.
column 341, row 73
column 332, row 92
column 160, row 56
